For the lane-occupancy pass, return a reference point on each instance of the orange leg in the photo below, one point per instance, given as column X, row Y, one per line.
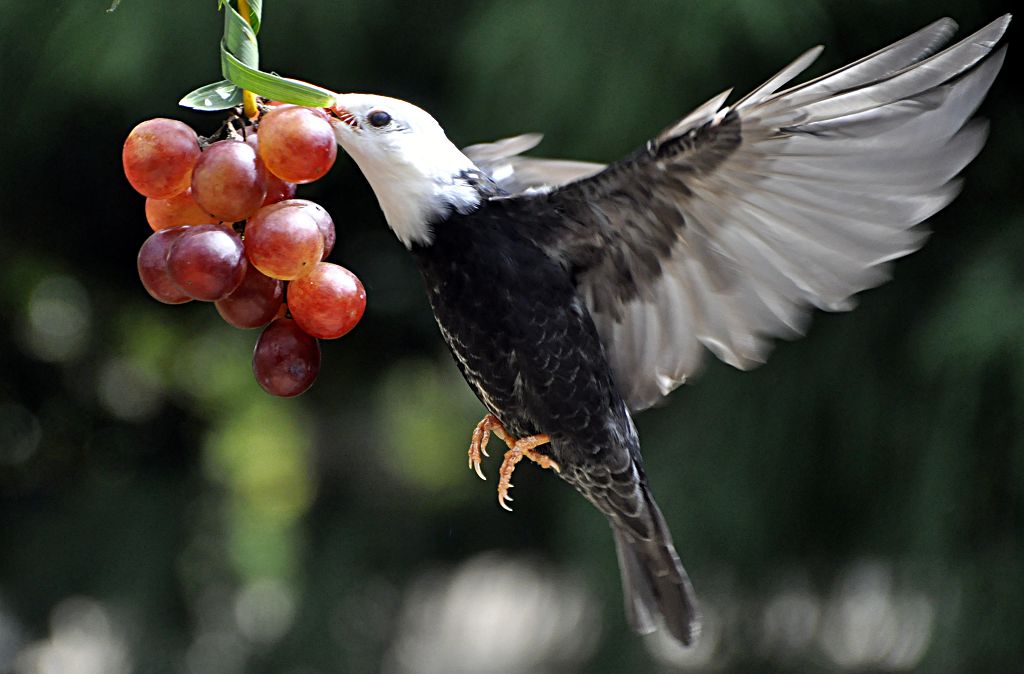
column 518, row 448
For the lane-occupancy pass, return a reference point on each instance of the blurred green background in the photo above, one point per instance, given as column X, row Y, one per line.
column 856, row 504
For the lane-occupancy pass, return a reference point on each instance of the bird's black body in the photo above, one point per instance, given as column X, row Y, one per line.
column 519, row 331
column 527, row 345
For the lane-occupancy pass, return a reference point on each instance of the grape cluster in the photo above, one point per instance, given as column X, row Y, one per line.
column 228, row 230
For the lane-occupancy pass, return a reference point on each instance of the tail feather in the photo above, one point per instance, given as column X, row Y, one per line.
column 655, row 586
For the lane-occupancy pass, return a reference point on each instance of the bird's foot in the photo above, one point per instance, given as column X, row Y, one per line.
column 520, row 448
column 481, row 436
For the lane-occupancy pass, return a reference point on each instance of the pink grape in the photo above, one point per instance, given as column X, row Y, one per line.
column 277, row 189
column 320, row 215
column 228, row 181
column 328, row 301
column 158, row 156
column 297, row 144
column 181, row 209
column 283, row 243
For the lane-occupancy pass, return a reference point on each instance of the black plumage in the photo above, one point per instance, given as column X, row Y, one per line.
column 524, row 340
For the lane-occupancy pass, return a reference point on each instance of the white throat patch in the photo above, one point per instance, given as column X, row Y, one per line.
column 412, row 201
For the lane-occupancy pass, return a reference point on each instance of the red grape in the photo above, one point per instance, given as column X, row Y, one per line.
column 283, row 243
column 277, row 189
column 254, row 303
column 286, row 360
column 297, row 144
column 328, row 301
column 228, row 181
column 158, row 157
column 181, row 209
column 320, row 215
column 207, row 262
column 153, row 267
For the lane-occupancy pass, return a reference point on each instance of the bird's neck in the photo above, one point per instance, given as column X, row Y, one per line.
column 415, row 196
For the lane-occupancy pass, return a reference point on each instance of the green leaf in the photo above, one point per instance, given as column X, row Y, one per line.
column 271, row 86
column 239, row 57
column 255, row 14
column 240, row 38
column 217, row 96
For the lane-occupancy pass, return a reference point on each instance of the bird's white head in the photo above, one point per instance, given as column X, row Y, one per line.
column 417, row 174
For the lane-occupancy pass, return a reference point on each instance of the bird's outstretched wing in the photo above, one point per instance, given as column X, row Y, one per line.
column 726, row 229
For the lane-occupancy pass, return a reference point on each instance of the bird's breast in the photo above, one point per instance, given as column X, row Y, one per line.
column 517, row 328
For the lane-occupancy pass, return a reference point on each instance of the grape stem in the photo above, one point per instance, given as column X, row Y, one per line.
column 229, row 128
column 248, row 97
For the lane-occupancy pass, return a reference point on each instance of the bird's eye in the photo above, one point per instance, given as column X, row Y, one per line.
column 378, row 118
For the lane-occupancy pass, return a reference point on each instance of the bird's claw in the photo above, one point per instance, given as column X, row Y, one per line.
column 481, row 436
column 520, row 448
column 517, row 450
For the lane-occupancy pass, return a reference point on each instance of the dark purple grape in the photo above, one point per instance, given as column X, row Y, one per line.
column 153, row 267
column 286, row 360
column 254, row 303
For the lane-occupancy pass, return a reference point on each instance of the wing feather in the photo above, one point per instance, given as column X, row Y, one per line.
column 726, row 229
column 513, row 173
column 887, row 60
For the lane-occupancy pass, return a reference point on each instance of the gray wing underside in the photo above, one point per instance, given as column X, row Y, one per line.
column 729, row 227
column 513, row 173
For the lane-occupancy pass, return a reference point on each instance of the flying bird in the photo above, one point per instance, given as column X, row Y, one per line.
column 573, row 295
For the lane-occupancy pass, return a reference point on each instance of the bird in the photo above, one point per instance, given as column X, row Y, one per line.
column 573, row 295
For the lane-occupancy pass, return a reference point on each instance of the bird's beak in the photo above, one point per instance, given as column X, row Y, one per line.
column 339, row 114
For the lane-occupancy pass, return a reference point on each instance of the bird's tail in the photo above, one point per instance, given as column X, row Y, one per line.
column 654, row 582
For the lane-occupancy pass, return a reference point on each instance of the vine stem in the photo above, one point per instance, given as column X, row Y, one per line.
column 248, row 98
